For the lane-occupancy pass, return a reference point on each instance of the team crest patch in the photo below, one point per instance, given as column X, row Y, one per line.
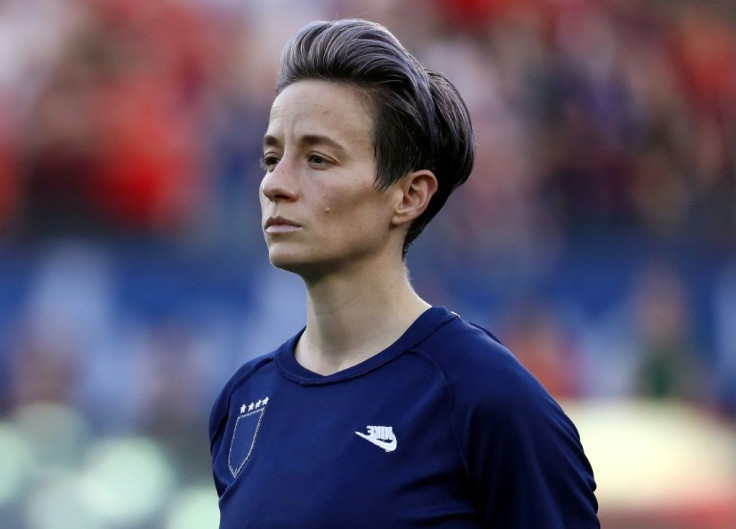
column 245, row 434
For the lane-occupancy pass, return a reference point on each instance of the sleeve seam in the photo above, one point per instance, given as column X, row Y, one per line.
column 449, row 410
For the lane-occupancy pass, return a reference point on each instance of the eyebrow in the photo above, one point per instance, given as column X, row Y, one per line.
column 306, row 140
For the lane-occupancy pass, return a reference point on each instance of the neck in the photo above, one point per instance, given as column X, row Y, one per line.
column 353, row 317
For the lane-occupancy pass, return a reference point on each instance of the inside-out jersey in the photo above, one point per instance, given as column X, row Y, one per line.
column 443, row 429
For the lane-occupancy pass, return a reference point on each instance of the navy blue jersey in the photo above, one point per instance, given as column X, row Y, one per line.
column 444, row 429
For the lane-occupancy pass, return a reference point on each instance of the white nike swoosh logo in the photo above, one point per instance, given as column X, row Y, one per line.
column 388, row 446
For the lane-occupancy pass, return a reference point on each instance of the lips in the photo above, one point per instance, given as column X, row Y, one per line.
column 280, row 225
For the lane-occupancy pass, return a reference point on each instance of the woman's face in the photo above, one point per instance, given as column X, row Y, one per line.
column 321, row 210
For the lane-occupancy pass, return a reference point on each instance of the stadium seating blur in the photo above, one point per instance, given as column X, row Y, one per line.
column 596, row 238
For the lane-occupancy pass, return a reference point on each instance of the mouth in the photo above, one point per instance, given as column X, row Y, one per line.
column 280, row 225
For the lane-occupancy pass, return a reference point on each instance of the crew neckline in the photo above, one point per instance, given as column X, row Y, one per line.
column 427, row 322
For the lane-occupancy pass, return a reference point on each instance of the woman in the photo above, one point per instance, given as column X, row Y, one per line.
column 383, row 411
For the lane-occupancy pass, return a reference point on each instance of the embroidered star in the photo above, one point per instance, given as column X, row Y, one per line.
column 242, row 409
column 258, row 404
column 251, row 406
column 265, row 401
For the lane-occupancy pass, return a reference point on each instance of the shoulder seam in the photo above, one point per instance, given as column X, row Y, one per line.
column 487, row 332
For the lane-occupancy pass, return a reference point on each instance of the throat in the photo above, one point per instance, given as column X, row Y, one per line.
column 351, row 319
column 336, row 341
column 326, row 353
column 326, row 364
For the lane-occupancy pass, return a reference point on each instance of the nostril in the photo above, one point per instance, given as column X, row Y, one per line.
column 278, row 189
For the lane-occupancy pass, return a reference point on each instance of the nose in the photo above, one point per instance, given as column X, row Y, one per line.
column 280, row 184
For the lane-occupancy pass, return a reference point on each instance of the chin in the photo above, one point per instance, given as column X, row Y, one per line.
column 288, row 261
column 301, row 265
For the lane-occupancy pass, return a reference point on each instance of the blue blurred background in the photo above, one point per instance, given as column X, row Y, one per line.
column 596, row 238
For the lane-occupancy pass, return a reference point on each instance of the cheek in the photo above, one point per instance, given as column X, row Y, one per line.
column 356, row 209
column 361, row 218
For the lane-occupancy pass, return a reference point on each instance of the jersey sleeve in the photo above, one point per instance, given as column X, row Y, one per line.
column 523, row 455
column 217, row 422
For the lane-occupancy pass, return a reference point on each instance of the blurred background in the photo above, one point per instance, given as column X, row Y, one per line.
column 596, row 238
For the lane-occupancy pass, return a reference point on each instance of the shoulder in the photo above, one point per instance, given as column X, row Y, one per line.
column 476, row 363
column 491, row 391
column 518, row 446
column 219, row 412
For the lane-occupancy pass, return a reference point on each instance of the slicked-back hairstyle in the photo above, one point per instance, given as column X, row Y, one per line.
column 419, row 119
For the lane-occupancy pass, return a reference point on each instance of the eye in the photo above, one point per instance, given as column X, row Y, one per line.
column 318, row 161
column 269, row 162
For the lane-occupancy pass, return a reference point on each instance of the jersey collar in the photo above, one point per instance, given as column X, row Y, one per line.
column 428, row 322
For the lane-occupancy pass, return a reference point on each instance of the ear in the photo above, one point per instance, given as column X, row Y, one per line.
column 414, row 193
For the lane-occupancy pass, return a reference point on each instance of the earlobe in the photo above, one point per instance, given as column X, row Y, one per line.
column 416, row 190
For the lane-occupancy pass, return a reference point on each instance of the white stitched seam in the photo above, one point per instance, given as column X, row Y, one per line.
column 236, row 471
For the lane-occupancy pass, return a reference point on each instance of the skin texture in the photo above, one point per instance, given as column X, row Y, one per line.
column 320, row 175
column 325, row 220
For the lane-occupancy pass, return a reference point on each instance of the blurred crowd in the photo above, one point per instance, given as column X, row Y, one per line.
column 596, row 236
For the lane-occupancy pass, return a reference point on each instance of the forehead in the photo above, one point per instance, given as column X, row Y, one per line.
column 323, row 108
